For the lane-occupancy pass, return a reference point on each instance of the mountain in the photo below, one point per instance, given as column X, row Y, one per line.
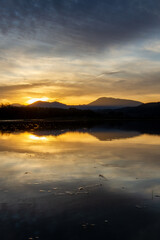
column 48, row 105
column 100, row 103
column 147, row 110
column 42, row 110
column 113, row 103
column 17, row 105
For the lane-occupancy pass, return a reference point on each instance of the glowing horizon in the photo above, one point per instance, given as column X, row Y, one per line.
column 33, row 100
column 80, row 101
column 97, row 54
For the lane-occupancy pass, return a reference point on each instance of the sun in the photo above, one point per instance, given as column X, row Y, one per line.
column 33, row 100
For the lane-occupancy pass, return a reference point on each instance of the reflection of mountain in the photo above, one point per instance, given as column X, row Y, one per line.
column 111, row 134
column 115, row 129
column 54, row 133
column 101, row 134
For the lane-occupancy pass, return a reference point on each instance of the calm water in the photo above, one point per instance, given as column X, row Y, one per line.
column 88, row 184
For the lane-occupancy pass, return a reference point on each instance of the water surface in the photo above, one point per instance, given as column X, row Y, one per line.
column 85, row 184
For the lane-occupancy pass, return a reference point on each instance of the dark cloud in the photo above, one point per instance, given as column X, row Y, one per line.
column 80, row 24
column 4, row 89
column 111, row 73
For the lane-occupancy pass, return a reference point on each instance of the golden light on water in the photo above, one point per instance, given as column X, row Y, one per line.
column 64, row 157
column 36, row 138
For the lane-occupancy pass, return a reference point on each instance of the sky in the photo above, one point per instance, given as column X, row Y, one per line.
column 75, row 51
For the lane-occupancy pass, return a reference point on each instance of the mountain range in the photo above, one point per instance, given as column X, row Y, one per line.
column 100, row 103
column 45, row 110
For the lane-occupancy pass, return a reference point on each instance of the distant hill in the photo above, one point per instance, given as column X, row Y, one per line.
column 48, row 105
column 36, row 111
column 147, row 110
column 113, row 103
column 100, row 103
column 17, row 105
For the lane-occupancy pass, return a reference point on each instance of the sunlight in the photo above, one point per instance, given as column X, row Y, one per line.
column 33, row 137
column 33, row 100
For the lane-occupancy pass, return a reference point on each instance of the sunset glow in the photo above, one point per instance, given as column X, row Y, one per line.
column 79, row 119
column 96, row 54
column 33, row 100
column 36, row 138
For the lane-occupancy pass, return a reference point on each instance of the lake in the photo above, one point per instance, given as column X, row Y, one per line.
column 87, row 183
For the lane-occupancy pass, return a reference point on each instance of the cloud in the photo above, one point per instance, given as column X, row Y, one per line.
column 134, row 78
column 82, row 25
column 14, row 89
column 83, row 47
column 153, row 46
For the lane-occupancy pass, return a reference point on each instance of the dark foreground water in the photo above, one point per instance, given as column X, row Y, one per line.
column 96, row 183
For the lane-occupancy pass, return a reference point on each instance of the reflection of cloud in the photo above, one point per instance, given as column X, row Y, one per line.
column 133, row 163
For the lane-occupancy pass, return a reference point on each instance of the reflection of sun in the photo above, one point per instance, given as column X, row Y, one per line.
column 33, row 137
column 32, row 100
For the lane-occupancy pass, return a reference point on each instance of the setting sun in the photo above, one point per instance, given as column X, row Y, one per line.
column 33, row 100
